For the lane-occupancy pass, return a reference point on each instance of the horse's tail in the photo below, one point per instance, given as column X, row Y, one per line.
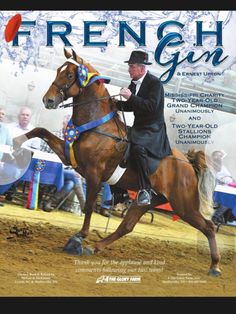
column 206, row 181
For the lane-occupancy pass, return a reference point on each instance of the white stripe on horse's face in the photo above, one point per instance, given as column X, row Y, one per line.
column 63, row 68
column 70, row 61
column 73, row 61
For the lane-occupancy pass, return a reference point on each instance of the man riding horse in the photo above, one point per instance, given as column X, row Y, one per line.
column 145, row 97
column 187, row 182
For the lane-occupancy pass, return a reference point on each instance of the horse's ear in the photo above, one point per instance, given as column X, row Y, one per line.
column 74, row 55
column 67, row 54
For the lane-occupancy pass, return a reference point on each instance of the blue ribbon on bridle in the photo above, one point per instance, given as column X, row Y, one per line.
column 85, row 78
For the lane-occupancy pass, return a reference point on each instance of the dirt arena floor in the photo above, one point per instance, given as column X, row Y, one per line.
column 163, row 258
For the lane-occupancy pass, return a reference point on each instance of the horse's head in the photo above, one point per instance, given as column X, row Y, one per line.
column 71, row 78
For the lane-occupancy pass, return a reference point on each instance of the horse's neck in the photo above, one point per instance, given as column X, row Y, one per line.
column 92, row 106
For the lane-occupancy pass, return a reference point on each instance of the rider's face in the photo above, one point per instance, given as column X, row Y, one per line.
column 136, row 71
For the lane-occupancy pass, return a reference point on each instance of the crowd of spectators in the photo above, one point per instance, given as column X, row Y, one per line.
column 74, row 184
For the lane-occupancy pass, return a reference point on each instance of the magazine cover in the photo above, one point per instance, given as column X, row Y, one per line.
column 106, row 190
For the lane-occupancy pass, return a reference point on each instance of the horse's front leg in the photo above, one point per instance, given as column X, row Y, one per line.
column 55, row 143
column 92, row 190
column 74, row 244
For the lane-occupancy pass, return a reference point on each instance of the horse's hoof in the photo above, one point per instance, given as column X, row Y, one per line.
column 215, row 272
column 74, row 245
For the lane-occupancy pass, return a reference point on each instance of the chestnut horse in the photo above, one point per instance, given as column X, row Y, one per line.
column 180, row 179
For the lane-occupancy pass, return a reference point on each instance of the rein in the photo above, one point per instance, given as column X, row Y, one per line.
column 72, row 104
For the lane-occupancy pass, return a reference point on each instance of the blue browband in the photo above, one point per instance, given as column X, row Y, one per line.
column 73, row 132
column 85, row 78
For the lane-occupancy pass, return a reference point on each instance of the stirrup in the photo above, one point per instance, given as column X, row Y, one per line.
column 143, row 197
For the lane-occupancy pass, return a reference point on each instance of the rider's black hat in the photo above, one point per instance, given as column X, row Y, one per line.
column 137, row 56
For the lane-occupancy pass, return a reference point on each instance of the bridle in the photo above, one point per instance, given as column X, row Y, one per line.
column 63, row 90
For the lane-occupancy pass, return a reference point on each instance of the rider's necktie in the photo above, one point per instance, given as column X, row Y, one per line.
column 132, row 87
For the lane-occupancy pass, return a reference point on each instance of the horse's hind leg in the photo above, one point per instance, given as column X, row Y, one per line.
column 127, row 225
column 208, row 229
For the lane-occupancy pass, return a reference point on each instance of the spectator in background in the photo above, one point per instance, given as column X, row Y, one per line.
column 6, row 169
column 18, row 128
column 222, row 174
column 106, row 199
column 2, row 114
column 23, row 126
column 106, row 196
column 223, row 177
column 5, row 137
column 72, row 179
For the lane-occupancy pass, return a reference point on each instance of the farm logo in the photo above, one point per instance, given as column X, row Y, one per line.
column 118, row 279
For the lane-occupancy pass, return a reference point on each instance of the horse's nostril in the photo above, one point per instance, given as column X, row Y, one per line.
column 50, row 101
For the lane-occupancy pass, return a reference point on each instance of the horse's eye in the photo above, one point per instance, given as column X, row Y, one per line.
column 70, row 76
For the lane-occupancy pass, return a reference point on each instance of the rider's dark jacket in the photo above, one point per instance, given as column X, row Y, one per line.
column 149, row 128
